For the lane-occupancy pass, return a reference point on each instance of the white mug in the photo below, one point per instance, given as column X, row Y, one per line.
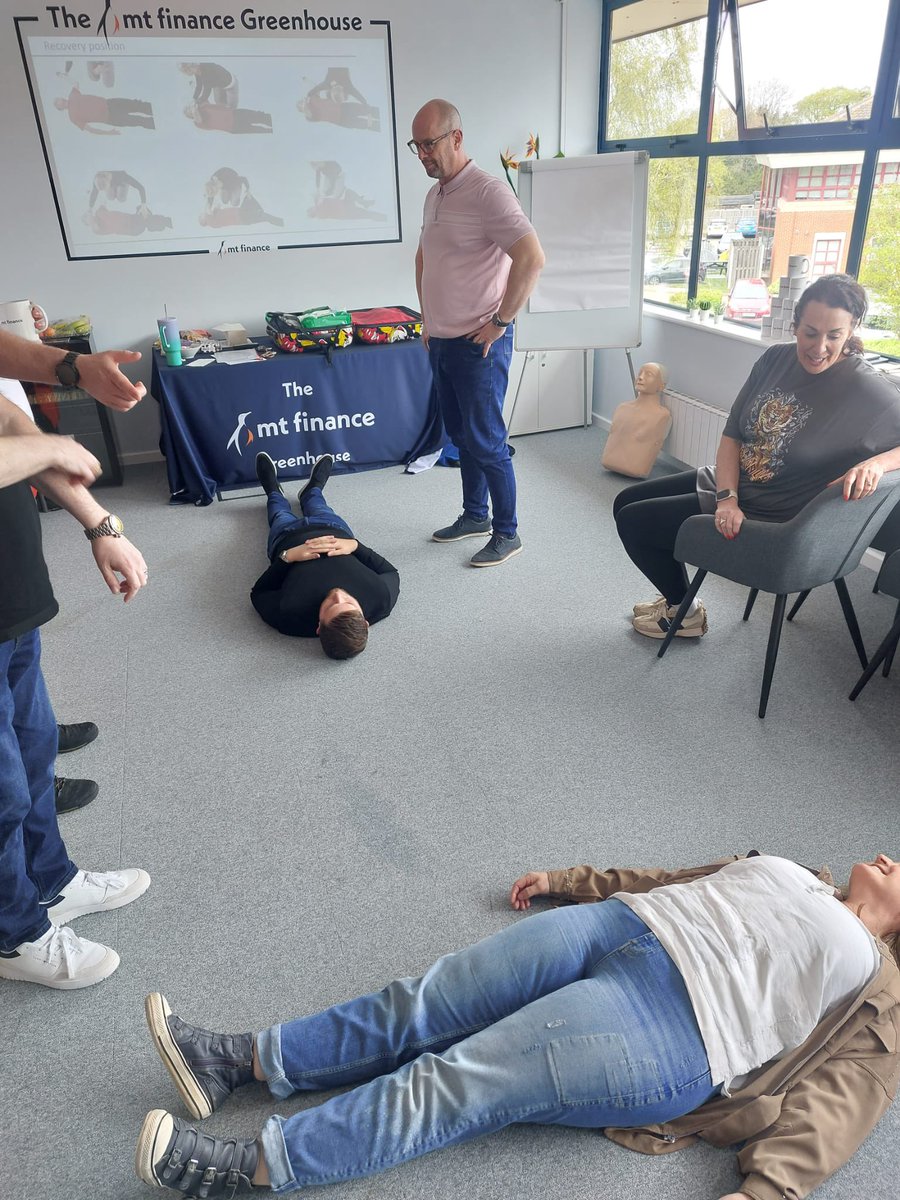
column 16, row 317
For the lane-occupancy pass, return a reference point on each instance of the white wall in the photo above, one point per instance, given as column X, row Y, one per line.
column 497, row 60
column 703, row 361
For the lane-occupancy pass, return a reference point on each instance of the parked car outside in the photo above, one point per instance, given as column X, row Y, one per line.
column 675, row 270
column 716, row 229
column 747, row 228
column 748, row 300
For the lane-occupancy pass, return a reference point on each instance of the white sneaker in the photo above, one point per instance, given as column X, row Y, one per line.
column 60, row 959
column 97, row 891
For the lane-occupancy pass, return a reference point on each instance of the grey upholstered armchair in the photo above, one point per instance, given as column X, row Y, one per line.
column 823, row 543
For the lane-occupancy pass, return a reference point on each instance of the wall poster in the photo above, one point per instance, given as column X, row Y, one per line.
column 169, row 131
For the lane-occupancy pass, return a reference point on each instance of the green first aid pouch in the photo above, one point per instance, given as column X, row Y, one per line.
column 323, row 318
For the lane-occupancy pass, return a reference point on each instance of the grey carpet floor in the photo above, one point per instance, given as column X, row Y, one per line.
column 314, row 829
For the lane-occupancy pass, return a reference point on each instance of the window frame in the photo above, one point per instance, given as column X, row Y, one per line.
column 880, row 131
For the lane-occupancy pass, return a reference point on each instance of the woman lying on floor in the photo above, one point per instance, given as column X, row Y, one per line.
column 811, row 413
column 651, row 1016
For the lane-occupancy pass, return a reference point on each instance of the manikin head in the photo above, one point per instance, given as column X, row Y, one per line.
column 651, row 380
column 342, row 629
column 437, row 132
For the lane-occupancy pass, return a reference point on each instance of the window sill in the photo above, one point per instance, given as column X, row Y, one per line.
column 728, row 329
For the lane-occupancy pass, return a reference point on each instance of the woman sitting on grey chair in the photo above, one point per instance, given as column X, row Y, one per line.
column 747, row 1001
column 811, row 414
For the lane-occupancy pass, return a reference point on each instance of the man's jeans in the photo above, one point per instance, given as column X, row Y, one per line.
column 34, row 865
column 316, row 514
column 470, row 390
column 572, row 1017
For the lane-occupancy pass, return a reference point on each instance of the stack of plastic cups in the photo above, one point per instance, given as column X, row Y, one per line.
column 790, row 288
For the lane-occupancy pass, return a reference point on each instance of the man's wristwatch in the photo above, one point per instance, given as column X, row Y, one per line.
column 66, row 371
column 495, row 320
column 110, row 526
column 726, row 494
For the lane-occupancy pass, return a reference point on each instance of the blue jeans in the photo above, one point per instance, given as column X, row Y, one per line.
column 34, row 865
column 316, row 514
column 470, row 390
column 572, row 1017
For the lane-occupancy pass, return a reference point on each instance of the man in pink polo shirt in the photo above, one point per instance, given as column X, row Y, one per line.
column 477, row 263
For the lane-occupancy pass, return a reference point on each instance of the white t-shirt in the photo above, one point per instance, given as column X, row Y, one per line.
column 766, row 951
column 13, row 390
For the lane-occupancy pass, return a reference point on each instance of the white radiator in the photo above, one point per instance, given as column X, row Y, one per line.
column 696, row 429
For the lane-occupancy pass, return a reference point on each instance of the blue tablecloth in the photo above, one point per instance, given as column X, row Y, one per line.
column 371, row 406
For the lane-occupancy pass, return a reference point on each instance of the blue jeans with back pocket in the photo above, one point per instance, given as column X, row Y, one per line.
column 571, row 1017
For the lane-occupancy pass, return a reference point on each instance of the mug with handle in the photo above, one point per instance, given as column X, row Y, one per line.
column 18, row 317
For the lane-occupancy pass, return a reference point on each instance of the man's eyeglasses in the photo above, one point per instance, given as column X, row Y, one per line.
column 429, row 144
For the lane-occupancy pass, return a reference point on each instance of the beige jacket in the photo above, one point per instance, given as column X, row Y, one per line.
column 802, row 1117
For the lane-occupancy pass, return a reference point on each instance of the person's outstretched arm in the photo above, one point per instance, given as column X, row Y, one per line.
column 585, row 885
column 101, row 374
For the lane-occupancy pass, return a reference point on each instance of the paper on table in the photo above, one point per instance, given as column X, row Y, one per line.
column 201, row 362
column 233, row 357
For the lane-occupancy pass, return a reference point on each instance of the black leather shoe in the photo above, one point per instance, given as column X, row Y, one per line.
column 319, row 475
column 267, row 474
column 205, row 1067
column 73, row 737
column 74, row 793
column 172, row 1154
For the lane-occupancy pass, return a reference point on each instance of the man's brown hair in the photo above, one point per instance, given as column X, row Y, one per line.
column 345, row 636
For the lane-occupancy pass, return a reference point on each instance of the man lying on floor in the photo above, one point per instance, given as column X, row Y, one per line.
column 322, row 582
column 651, row 1016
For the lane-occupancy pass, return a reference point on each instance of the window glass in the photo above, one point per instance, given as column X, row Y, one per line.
column 878, row 270
column 655, row 73
column 733, row 249
column 670, row 224
column 724, row 123
column 807, row 61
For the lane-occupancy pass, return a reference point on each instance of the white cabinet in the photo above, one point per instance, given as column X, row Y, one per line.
column 546, row 391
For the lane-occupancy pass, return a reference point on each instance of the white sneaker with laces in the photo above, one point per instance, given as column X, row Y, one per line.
column 59, row 959
column 97, row 891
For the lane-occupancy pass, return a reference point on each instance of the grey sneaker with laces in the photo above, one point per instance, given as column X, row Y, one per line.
column 205, row 1067
column 497, row 551
column 172, row 1154
column 463, row 527
column 59, row 959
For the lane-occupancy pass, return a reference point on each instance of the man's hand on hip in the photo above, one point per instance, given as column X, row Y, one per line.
column 486, row 336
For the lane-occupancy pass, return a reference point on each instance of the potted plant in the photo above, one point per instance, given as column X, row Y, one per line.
column 693, row 309
column 718, row 312
column 705, row 307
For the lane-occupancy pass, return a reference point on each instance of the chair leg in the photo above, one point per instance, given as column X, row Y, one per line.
column 692, row 591
column 885, row 651
column 889, row 657
column 850, row 618
column 797, row 605
column 751, row 600
column 772, row 650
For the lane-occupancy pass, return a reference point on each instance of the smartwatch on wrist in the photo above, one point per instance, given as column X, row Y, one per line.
column 66, row 371
column 726, row 494
column 495, row 320
column 110, row 526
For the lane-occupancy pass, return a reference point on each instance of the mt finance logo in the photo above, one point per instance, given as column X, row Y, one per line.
column 242, row 435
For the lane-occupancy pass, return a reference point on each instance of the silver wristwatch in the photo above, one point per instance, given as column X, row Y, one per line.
column 495, row 320
column 110, row 526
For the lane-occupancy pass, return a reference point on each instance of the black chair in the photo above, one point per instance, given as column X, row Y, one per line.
column 823, row 543
column 888, row 582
